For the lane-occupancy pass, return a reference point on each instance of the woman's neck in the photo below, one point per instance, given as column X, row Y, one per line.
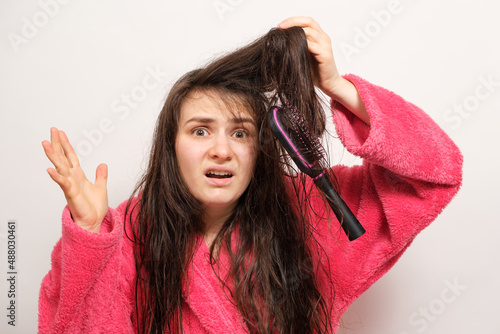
column 214, row 219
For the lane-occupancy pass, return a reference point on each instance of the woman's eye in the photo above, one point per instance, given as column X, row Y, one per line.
column 240, row 134
column 200, row 132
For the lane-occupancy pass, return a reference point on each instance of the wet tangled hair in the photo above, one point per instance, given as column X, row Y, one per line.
column 271, row 272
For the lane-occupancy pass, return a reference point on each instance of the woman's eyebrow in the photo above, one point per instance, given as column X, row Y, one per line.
column 243, row 120
column 200, row 120
column 207, row 120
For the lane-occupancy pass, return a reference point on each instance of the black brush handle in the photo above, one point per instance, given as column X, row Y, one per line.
column 352, row 227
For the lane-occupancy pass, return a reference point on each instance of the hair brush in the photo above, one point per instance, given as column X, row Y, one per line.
column 306, row 151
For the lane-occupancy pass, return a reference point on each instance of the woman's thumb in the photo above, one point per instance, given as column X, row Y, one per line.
column 101, row 175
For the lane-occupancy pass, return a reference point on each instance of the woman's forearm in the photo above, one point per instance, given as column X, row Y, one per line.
column 345, row 93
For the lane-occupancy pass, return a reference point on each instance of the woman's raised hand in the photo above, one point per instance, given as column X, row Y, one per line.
column 326, row 76
column 87, row 202
column 320, row 46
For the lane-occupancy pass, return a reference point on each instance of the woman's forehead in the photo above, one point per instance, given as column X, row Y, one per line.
column 215, row 104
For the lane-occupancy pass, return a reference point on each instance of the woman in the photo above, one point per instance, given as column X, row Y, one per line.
column 220, row 238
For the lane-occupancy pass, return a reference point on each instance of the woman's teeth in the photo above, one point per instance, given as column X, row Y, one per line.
column 219, row 175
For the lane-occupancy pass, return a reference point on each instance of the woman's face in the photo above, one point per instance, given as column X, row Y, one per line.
column 216, row 150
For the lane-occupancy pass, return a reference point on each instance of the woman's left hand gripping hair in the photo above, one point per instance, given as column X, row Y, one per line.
column 325, row 74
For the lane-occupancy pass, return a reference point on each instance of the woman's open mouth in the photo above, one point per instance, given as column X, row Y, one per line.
column 218, row 175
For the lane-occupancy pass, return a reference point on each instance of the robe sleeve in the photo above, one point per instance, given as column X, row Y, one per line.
column 89, row 286
column 410, row 171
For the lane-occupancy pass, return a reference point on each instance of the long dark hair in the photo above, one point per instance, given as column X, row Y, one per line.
column 271, row 270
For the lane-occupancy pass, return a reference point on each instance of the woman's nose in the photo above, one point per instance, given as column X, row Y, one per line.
column 221, row 148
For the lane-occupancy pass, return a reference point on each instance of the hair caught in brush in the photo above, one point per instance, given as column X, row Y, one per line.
column 272, row 268
column 307, row 152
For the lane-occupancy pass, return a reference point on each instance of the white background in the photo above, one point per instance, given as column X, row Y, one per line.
column 71, row 64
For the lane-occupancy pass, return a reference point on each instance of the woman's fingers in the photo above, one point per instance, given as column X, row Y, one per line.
column 316, row 36
column 319, row 45
column 55, row 140
column 311, row 28
column 69, row 152
column 318, row 42
column 62, row 181
column 54, row 158
column 60, row 152
column 66, row 172
column 54, row 151
column 300, row 21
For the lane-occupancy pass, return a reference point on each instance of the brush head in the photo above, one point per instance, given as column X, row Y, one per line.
column 291, row 129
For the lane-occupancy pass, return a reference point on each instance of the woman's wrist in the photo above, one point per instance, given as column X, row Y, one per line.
column 344, row 92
